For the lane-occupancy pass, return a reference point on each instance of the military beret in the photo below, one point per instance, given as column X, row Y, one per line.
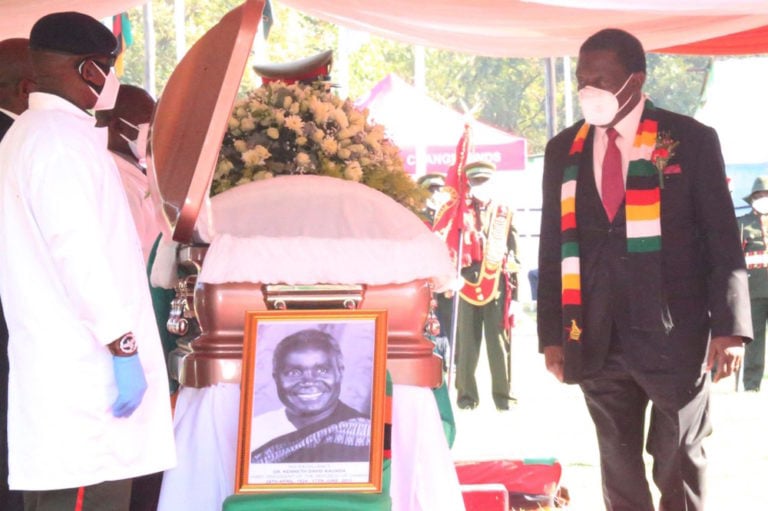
column 73, row 33
column 479, row 170
column 430, row 180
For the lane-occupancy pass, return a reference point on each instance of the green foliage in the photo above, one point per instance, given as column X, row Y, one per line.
column 199, row 17
column 675, row 82
column 295, row 35
column 374, row 60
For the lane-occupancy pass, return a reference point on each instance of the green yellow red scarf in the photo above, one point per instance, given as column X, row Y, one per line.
column 643, row 220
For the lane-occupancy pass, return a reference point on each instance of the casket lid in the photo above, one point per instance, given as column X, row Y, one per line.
column 190, row 119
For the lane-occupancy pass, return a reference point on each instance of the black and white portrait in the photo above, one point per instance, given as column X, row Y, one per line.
column 312, row 390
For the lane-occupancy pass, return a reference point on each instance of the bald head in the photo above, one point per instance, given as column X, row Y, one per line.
column 134, row 106
column 16, row 75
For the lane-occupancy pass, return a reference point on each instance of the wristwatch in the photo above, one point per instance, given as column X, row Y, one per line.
column 125, row 346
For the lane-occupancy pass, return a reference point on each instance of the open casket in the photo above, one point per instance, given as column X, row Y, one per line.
column 291, row 242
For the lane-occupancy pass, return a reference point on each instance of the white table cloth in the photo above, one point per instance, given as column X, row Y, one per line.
column 206, row 423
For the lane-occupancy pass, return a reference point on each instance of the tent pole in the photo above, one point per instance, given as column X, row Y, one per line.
column 551, row 107
column 454, row 312
column 420, row 83
column 150, row 56
column 567, row 91
column 178, row 25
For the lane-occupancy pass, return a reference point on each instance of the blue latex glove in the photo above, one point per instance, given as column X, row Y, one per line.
column 131, row 385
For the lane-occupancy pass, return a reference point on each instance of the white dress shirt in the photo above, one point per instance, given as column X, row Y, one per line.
column 136, row 187
column 627, row 128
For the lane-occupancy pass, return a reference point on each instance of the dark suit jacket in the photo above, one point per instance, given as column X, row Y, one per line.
column 704, row 282
column 13, row 499
column 5, row 123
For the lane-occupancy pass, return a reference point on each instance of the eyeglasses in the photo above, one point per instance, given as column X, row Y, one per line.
column 104, row 66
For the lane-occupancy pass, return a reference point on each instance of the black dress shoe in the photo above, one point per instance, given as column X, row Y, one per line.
column 466, row 404
column 506, row 406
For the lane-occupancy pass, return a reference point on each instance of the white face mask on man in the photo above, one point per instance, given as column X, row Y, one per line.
column 481, row 192
column 106, row 99
column 760, row 205
column 600, row 106
column 138, row 146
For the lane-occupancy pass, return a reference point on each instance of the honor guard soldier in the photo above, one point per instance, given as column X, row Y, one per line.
column 754, row 229
column 432, row 183
column 489, row 270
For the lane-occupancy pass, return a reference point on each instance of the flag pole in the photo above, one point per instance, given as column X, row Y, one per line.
column 454, row 313
column 449, row 223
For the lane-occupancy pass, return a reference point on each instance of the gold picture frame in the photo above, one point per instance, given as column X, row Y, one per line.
column 312, row 402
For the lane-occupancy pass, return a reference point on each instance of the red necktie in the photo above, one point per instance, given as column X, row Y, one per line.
column 613, row 179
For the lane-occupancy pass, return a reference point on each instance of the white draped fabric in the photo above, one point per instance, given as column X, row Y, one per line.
column 315, row 229
column 206, row 423
column 501, row 28
column 517, row 28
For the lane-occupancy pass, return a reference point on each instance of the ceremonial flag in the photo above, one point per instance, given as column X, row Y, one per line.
column 450, row 218
column 121, row 27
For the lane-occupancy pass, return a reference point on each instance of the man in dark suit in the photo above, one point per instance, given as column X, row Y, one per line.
column 16, row 82
column 639, row 265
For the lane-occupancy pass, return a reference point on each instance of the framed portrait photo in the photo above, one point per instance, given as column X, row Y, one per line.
column 312, row 402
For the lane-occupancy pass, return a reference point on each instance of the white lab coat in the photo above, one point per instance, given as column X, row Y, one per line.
column 72, row 281
column 136, row 187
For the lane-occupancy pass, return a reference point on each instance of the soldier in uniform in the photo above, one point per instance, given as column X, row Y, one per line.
column 432, row 183
column 489, row 269
column 754, row 230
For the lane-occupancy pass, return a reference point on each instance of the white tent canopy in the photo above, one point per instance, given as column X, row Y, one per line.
column 18, row 16
column 502, row 28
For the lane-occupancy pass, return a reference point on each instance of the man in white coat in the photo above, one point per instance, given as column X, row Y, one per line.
column 88, row 393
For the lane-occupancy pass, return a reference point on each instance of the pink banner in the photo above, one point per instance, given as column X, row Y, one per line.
column 440, row 158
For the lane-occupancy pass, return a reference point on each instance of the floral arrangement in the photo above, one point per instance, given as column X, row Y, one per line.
column 662, row 153
column 280, row 129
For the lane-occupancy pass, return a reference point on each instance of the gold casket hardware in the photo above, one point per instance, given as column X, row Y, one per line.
column 182, row 306
column 316, row 296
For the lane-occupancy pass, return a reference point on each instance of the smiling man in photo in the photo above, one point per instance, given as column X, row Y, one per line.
column 314, row 425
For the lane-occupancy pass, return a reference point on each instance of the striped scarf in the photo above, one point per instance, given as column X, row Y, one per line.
column 643, row 217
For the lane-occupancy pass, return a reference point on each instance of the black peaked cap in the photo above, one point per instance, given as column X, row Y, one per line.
column 73, row 33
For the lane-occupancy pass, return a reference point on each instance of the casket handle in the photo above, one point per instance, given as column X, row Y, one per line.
column 316, row 296
column 181, row 306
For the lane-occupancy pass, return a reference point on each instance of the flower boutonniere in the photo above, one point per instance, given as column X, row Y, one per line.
column 662, row 153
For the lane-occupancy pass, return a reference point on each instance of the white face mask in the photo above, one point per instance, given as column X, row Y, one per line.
column 600, row 106
column 437, row 199
column 106, row 99
column 481, row 192
column 139, row 145
column 761, row 205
